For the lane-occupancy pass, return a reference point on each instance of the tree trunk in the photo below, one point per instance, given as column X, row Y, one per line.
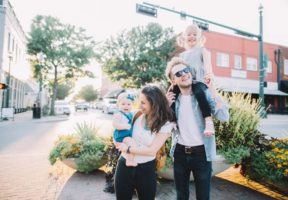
column 54, row 91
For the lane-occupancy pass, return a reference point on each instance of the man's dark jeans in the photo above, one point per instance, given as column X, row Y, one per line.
column 196, row 162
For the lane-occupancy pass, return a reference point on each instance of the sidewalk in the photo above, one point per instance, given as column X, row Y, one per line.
column 229, row 185
column 28, row 116
column 30, row 176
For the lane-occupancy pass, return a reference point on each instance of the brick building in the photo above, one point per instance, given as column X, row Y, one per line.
column 235, row 62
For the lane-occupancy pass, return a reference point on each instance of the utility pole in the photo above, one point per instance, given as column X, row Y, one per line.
column 151, row 10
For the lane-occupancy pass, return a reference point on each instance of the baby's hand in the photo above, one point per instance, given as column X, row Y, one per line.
column 209, row 78
column 121, row 146
column 128, row 126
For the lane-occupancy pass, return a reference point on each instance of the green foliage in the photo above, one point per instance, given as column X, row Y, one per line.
column 235, row 155
column 88, row 93
column 88, row 149
column 268, row 163
column 241, row 130
column 64, row 47
column 138, row 56
column 64, row 89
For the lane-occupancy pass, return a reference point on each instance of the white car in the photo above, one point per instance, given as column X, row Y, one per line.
column 62, row 108
column 109, row 105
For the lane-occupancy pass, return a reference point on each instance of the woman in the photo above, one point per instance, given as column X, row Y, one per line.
column 150, row 131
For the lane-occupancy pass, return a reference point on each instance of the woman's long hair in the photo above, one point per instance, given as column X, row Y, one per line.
column 160, row 110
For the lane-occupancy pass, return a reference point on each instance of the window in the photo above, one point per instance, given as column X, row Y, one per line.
column 251, row 64
column 9, row 41
column 222, row 60
column 285, row 67
column 237, row 62
column 269, row 66
column 1, row 2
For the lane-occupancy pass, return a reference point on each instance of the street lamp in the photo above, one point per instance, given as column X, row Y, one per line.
column 261, row 61
column 10, row 57
column 40, row 58
column 237, row 31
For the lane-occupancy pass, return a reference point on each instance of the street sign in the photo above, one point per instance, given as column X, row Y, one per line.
column 146, row 10
column 7, row 113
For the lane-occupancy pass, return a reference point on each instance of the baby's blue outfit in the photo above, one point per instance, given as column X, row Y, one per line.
column 119, row 135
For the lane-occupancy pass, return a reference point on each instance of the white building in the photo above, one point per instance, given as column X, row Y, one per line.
column 14, row 63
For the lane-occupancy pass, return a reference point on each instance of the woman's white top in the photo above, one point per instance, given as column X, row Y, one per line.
column 144, row 138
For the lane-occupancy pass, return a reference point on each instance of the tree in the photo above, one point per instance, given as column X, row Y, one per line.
column 64, row 89
column 66, row 50
column 138, row 56
column 88, row 93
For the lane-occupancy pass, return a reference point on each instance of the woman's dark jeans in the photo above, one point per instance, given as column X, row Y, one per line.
column 141, row 178
column 199, row 92
column 201, row 169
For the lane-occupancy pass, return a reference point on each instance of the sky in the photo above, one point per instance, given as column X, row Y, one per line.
column 105, row 18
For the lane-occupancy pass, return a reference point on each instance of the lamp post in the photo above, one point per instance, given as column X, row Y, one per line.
column 237, row 31
column 261, row 61
column 40, row 58
column 10, row 57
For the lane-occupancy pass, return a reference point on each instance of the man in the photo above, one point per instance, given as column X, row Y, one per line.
column 192, row 150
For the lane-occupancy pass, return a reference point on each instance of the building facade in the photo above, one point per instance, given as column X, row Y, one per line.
column 15, row 69
column 235, row 62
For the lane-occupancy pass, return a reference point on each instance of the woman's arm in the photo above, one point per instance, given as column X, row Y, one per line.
column 152, row 150
column 117, row 122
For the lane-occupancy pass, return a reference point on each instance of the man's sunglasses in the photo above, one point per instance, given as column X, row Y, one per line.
column 182, row 72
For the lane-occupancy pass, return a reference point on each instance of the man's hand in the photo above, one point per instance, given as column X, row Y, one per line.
column 170, row 95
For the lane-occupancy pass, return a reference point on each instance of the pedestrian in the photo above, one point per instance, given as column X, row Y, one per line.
column 192, row 150
column 150, row 131
column 199, row 61
column 122, row 122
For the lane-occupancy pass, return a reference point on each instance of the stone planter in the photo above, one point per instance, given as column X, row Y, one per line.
column 72, row 163
column 219, row 165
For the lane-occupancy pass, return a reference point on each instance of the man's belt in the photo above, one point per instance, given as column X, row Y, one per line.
column 189, row 149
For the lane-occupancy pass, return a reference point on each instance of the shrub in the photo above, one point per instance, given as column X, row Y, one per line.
column 85, row 146
column 235, row 138
column 268, row 163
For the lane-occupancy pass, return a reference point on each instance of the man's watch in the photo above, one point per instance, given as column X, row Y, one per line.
column 128, row 150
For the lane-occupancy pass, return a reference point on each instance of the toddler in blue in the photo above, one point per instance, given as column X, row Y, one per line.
column 122, row 122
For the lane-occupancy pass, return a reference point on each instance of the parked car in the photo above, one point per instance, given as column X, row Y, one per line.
column 81, row 106
column 109, row 105
column 62, row 108
column 99, row 105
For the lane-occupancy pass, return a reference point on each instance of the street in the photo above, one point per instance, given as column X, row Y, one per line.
column 25, row 143
column 26, row 173
column 275, row 126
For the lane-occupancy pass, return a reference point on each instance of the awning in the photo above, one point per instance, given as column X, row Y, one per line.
column 284, row 85
column 114, row 93
column 254, row 91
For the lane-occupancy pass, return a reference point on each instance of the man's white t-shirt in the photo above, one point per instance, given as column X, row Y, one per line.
column 188, row 128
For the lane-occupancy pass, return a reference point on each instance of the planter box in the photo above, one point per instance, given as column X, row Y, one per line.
column 72, row 163
column 219, row 165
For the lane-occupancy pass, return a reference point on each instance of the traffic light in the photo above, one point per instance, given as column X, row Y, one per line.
column 3, row 86
column 145, row 10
